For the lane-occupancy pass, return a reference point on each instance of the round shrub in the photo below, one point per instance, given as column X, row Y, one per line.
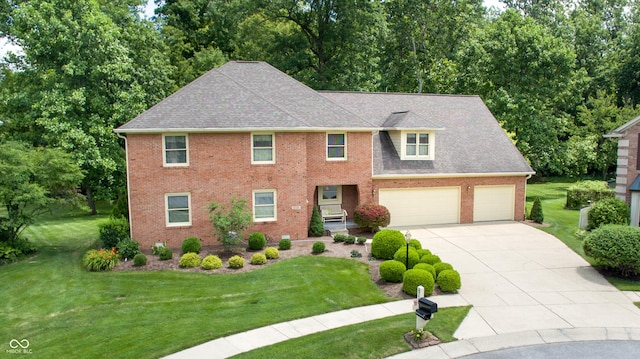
column 371, row 216
column 415, row 277
column 361, row 240
column 440, row 266
column 428, row 267
column 257, row 241
column 139, row 260
column 340, row 237
column 386, row 242
column 318, row 247
column 128, row 248
column 258, row 259
column 449, row 280
column 113, row 231
column 190, row 260
column 165, row 253
column 423, row 252
column 284, row 244
column 430, row 259
column 350, row 239
column 616, row 248
column 401, row 256
column 415, row 244
column 236, row 262
column 191, row 245
column 392, row 271
column 271, row 253
column 608, row 211
column 211, row 262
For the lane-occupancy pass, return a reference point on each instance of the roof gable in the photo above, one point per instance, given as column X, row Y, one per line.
column 620, row 131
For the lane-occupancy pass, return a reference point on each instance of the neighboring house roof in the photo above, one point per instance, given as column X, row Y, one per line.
column 472, row 141
column 245, row 96
column 620, row 131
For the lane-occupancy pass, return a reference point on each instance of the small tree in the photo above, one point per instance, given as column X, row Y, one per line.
column 316, row 227
column 536, row 211
column 371, row 216
column 229, row 223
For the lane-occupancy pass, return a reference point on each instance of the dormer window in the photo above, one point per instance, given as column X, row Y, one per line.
column 417, row 145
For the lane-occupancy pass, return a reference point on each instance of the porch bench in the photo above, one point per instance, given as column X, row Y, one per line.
column 333, row 212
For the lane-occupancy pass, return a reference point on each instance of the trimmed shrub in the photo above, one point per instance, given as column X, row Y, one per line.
column 580, row 193
column 316, row 227
column 165, row 254
column 272, row 253
column 608, row 211
column 449, row 280
column 430, row 259
column 361, row 240
column 113, row 231
column 371, row 216
column 257, row 241
column 428, row 267
column 536, row 214
column 415, row 244
column 139, row 260
column 412, row 278
column 392, row 271
column 236, row 262
column 211, row 262
column 190, row 260
column 386, row 242
column 284, row 244
column 440, row 266
column 318, row 247
column 155, row 250
column 128, row 248
column 191, row 245
column 616, row 248
column 423, row 252
column 258, row 259
column 401, row 256
column 100, row 260
column 340, row 237
column 350, row 239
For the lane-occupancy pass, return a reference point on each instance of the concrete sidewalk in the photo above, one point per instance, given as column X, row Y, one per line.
column 525, row 285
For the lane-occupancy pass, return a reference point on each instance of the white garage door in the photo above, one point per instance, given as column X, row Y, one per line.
column 422, row 206
column 493, row 203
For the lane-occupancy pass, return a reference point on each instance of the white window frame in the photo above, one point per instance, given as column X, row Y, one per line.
column 273, row 148
column 167, row 209
column 343, row 158
column 275, row 205
column 417, row 156
column 337, row 200
column 164, row 150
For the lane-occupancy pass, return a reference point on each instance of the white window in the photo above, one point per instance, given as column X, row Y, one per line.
column 417, row 146
column 264, row 205
column 336, row 146
column 178, row 207
column 330, row 195
column 176, row 150
column 263, row 148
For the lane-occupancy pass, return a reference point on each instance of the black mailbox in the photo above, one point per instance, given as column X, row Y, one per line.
column 426, row 308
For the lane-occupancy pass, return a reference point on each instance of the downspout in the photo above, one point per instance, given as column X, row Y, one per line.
column 126, row 151
column 525, row 194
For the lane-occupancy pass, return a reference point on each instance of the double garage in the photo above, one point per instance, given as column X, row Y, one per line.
column 442, row 205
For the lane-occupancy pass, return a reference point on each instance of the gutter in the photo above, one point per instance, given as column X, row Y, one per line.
column 453, row 175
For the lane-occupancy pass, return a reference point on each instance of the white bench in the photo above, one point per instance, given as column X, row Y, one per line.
column 333, row 212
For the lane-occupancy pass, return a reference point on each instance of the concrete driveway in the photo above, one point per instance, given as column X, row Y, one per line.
column 519, row 278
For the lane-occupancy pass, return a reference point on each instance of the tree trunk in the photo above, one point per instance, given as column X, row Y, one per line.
column 91, row 202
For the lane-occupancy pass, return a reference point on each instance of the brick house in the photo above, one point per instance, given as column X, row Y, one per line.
column 250, row 131
column 628, row 166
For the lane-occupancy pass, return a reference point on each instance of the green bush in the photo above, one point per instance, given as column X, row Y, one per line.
column 608, row 211
column 100, row 260
column 258, row 259
column 318, row 247
column 272, row 253
column 423, row 252
column 428, row 267
column 580, row 193
column 401, row 256
column 128, row 248
column 165, row 254
column 350, row 239
column 211, row 262
column 190, row 260
column 415, row 244
column 386, row 242
column 113, row 231
column 371, row 216
column 412, row 278
column 316, row 227
column 361, row 240
column 120, row 208
column 430, row 259
column 536, row 214
column 440, row 266
column 236, row 262
column 191, row 245
column 284, row 244
column 340, row 237
column 139, row 260
column 356, row 254
column 257, row 241
column 392, row 271
column 155, row 250
column 616, row 248
column 449, row 280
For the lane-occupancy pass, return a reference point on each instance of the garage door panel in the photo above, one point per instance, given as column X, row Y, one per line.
column 493, row 203
column 422, row 206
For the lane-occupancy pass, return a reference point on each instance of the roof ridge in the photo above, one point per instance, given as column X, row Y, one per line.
column 399, row 93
